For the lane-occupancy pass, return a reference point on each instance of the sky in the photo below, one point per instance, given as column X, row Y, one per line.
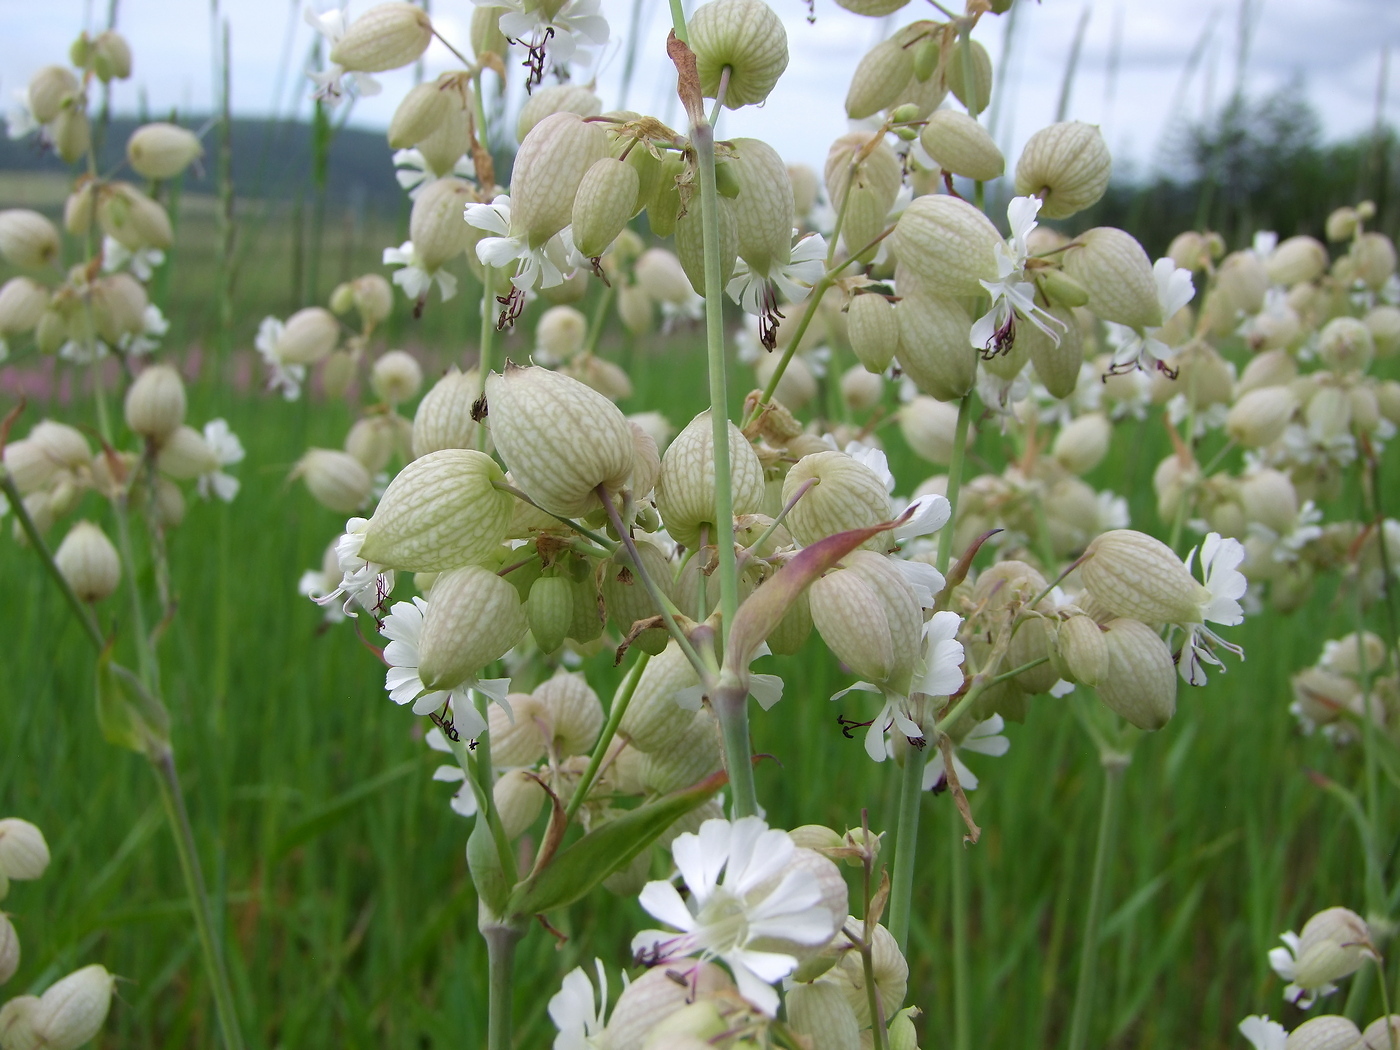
column 1135, row 73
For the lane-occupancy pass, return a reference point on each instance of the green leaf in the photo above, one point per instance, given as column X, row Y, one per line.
column 606, row 849
column 127, row 714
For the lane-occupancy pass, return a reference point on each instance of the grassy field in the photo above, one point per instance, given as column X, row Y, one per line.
column 350, row 917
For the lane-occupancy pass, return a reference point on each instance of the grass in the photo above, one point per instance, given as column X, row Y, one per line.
column 350, row 918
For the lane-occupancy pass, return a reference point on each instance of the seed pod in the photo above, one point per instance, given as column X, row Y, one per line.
column 1383, row 322
column 185, row 455
column 16, row 1024
column 861, row 390
column 1082, row 645
column 549, row 167
column 868, row 615
column 444, row 416
column 1345, row 345
column 118, row 306
column 962, row 146
column 161, row 150
column 949, row 246
column 1373, row 260
column 1260, row 416
column 691, row 755
column 336, row 480
column 874, row 185
column 1328, row 1032
column 1081, row 445
column 440, row 512
column 1135, row 575
column 111, row 56
column 388, row 36
column 71, row 134
column 586, row 444
column 22, row 304
column 550, row 611
column 518, row 796
column 450, row 140
column 748, row 37
column 1057, row 365
column 879, row 78
column 89, row 562
column 49, row 90
column 606, row 199
column 435, row 225
column 73, row 1010
column 685, row 490
column 846, row 494
column 661, row 276
column 1333, row 944
column 626, row 599
column 690, row 241
column 572, row 711
column 155, row 403
column 560, row 332
column 1061, row 289
column 1139, row 680
column 763, row 211
column 928, row 426
column 1296, row 260
column 1241, row 283
column 654, row 996
column 1115, row 271
column 396, row 377
column 890, row 970
column 873, row 329
column 1068, row 166
column 653, row 719
column 9, row 957
column 556, row 98
column 130, row 217
column 27, row 238
column 423, row 110
column 473, row 618
column 1376, row 1037
column 934, row 350
column 970, row 70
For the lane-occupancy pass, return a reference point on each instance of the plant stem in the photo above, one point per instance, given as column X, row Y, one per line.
column 500, row 955
column 163, row 763
column 962, row 966
column 620, row 703
column 732, row 709
column 955, row 470
column 488, row 336
column 1113, row 766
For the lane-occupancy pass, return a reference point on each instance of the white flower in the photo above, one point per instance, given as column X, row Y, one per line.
column 729, row 869
column 228, row 450
column 403, row 627
column 363, row 583
column 141, row 262
column 415, row 279
column 1285, row 963
column 1225, row 585
column 1263, row 1033
column 281, row 376
column 1112, row 511
column 573, row 1010
column 153, row 326
column 794, row 278
column 19, row 118
column 984, row 738
column 330, row 88
column 994, row 332
column 1285, row 548
column 575, row 23
column 1265, row 241
column 542, row 265
column 463, row 801
column 82, row 354
column 1142, row 348
column 313, row 584
column 412, row 171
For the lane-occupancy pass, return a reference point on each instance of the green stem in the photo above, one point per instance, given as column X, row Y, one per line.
column 163, row 763
column 678, row 21
column 500, row 955
column 595, row 325
column 621, row 700
column 955, row 469
column 1385, row 1001
column 1113, row 767
column 962, row 966
column 878, row 1023
column 1371, row 766
column 732, row 709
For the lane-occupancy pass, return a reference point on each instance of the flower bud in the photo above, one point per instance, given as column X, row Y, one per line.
column 748, row 37
column 1345, row 345
column 573, row 712
column 9, row 955
column 626, row 599
column 396, row 377
column 385, row 37
column 873, row 185
column 560, row 439
column 1269, row 498
column 444, row 416
column 1082, row 444
column 690, row 242
column 72, row 1011
column 763, row 211
column 1333, row 944
column 691, row 755
column 71, row 134
column 929, row 426
column 1296, row 260
column 16, row 1026
column 447, row 143
column 24, row 854
column 556, row 98
column 606, row 199
column 518, row 796
column 1057, row 364
column 661, row 276
column 111, row 56
column 1067, row 165
column 155, row 402
column 435, row 225
column 27, row 238
column 440, row 512
column 949, row 246
column 685, row 489
column 1082, row 645
column 1259, row 417
column 424, row 110
column 879, row 78
column 89, row 562
column 634, row 309
column 970, row 70
column 549, row 167
column 1115, row 271
column 861, row 390
column 1139, row 680
column 873, row 330
column 185, row 455
column 868, row 615
column 549, row 610
column 1135, row 575
column 653, row 719
column 560, row 333
column 473, row 618
column 1328, row 1032
column 1241, row 283
column 309, row 335
column 162, row 151
column 129, row 216
column 934, row 350
column 22, row 304
column 962, row 146
column 48, row 91
column 845, row 494
column 336, row 480
column 1373, row 260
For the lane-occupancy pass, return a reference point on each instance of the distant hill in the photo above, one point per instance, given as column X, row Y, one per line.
column 270, row 160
